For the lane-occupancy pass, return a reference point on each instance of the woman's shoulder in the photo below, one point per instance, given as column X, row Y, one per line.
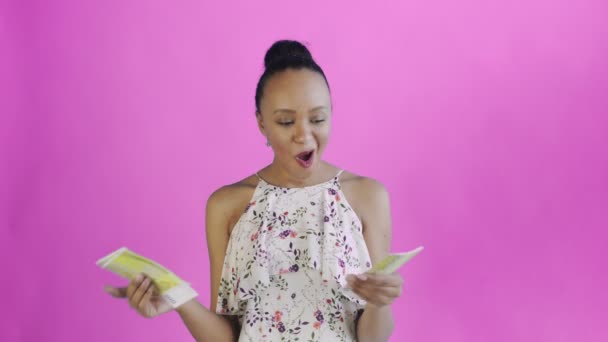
column 364, row 194
column 361, row 185
column 229, row 201
column 235, row 192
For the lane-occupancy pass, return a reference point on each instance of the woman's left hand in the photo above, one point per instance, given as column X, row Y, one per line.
column 376, row 289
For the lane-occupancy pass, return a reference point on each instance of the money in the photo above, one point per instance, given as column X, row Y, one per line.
column 128, row 264
column 391, row 263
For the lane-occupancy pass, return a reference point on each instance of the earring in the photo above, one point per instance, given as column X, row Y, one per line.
column 268, row 143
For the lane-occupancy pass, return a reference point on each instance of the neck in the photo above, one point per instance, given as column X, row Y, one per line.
column 279, row 175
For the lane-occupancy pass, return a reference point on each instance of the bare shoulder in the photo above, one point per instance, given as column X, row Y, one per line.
column 227, row 202
column 366, row 195
column 361, row 183
column 234, row 192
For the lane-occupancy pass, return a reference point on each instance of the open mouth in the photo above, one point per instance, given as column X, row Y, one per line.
column 305, row 159
column 305, row 156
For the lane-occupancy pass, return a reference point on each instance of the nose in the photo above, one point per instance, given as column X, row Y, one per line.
column 303, row 133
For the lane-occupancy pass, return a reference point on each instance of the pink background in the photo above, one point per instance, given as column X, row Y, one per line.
column 486, row 120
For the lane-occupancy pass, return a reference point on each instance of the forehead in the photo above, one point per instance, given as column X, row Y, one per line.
column 295, row 89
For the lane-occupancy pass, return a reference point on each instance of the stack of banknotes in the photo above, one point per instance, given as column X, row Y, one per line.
column 128, row 264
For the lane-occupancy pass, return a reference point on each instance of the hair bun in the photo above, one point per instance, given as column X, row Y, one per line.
column 285, row 49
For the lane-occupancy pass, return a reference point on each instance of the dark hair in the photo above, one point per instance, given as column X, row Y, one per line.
column 283, row 55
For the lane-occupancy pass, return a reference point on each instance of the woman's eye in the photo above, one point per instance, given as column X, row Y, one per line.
column 318, row 121
column 285, row 123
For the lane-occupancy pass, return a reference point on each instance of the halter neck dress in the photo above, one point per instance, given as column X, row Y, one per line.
column 286, row 261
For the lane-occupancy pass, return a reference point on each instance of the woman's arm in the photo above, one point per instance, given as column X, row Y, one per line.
column 204, row 324
column 376, row 323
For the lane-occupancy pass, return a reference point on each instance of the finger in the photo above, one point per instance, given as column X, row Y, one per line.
column 380, row 300
column 116, row 292
column 384, row 280
column 351, row 280
column 372, row 291
column 360, row 282
column 133, row 285
column 374, row 295
column 368, row 280
column 362, row 293
column 378, row 280
column 370, row 297
column 387, row 291
column 390, row 292
column 139, row 293
column 357, row 287
column 145, row 300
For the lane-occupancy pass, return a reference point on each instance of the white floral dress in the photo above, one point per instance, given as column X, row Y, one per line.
column 286, row 262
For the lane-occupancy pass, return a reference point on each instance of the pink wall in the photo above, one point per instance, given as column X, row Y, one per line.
column 486, row 120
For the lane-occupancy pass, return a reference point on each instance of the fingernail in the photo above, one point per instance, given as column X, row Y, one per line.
column 362, row 277
column 139, row 277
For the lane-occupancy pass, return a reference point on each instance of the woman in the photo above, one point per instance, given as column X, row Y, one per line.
column 289, row 246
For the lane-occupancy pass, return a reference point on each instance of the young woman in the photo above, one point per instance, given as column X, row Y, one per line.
column 289, row 246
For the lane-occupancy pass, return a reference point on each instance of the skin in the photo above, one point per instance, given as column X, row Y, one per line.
column 295, row 116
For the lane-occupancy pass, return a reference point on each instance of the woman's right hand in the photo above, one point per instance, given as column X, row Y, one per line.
column 143, row 296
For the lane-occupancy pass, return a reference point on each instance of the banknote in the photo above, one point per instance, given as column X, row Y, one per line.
column 128, row 264
column 388, row 265
column 391, row 263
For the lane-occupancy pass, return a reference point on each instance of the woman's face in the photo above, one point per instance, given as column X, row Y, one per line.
column 295, row 118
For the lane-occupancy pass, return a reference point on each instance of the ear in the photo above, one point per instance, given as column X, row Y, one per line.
column 258, row 117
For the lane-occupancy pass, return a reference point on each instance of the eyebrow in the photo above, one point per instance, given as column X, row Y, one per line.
column 293, row 111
